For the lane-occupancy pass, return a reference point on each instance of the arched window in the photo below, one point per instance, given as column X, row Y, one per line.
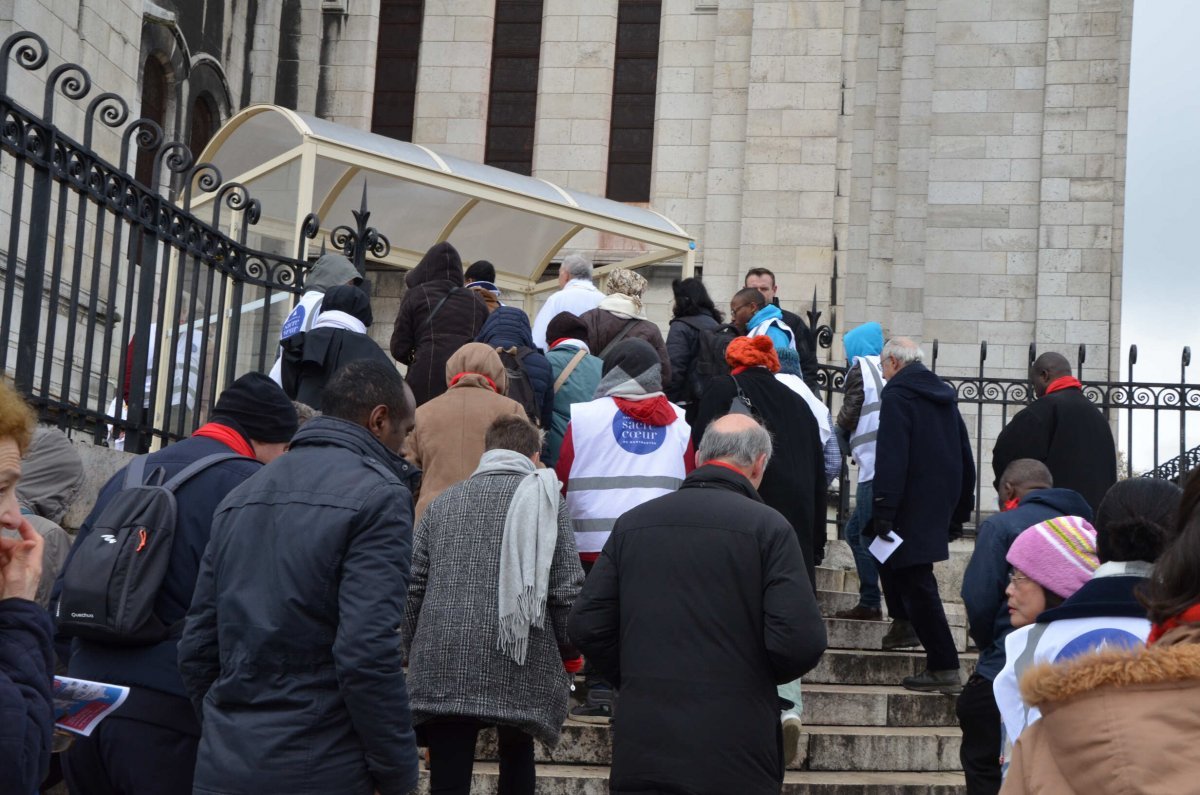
column 512, row 100
column 635, row 83
column 204, row 123
column 154, row 106
column 396, row 67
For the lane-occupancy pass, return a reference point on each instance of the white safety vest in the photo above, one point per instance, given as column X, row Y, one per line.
column 762, row 327
column 619, row 464
column 300, row 319
column 862, row 443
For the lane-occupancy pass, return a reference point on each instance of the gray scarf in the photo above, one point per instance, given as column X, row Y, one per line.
column 526, row 550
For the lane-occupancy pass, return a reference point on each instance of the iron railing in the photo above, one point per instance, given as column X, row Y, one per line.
column 124, row 309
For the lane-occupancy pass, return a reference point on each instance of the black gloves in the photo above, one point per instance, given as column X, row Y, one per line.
column 881, row 528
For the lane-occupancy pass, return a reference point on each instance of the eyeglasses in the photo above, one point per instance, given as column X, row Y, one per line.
column 733, row 310
column 1017, row 579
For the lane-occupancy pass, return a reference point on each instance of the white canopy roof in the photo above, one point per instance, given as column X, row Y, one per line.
column 296, row 164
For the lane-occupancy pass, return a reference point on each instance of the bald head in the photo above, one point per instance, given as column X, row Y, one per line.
column 737, row 440
column 1023, row 476
column 1046, row 369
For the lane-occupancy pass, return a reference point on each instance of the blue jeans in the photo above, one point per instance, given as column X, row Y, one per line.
column 864, row 562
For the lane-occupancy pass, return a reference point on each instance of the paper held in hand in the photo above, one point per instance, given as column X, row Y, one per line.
column 882, row 550
column 79, row 705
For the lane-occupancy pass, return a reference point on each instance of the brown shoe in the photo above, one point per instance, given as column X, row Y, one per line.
column 861, row 613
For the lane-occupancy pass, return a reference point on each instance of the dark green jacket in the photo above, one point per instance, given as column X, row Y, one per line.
column 579, row 387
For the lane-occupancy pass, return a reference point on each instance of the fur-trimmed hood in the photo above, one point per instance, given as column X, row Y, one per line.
column 1119, row 722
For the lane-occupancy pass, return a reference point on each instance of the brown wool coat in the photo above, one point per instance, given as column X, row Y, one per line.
column 447, row 440
column 603, row 326
column 1114, row 723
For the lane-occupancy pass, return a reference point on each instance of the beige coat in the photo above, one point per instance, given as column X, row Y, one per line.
column 1114, row 723
column 447, row 441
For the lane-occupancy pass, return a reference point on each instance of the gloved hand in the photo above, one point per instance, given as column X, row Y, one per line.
column 883, row 529
column 956, row 531
column 573, row 666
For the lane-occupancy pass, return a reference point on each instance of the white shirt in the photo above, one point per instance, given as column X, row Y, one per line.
column 577, row 297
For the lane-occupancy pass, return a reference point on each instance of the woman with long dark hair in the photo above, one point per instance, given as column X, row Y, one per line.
column 693, row 316
column 1120, row 719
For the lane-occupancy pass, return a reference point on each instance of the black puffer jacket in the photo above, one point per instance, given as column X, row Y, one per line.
column 697, row 635
column 26, row 707
column 291, row 652
column 426, row 346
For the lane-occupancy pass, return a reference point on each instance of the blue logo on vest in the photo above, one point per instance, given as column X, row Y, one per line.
column 637, row 437
column 1106, row 638
column 294, row 322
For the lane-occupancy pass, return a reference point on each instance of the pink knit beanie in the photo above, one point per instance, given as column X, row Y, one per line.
column 1058, row 554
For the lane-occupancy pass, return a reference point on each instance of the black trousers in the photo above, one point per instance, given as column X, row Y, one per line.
column 131, row 757
column 912, row 595
column 979, row 718
column 452, row 757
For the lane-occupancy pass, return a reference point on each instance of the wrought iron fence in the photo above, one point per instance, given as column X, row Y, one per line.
column 123, row 310
column 988, row 402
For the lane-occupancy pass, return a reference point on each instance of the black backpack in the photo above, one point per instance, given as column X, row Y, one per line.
column 110, row 587
column 520, row 388
column 708, row 360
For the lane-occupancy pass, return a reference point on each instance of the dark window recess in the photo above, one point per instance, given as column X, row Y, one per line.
column 512, row 100
column 204, row 124
column 396, row 67
column 635, row 82
column 154, row 107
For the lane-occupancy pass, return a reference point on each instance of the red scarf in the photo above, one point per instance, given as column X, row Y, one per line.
column 226, row 436
column 656, row 411
column 730, row 467
column 454, row 381
column 1066, row 382
column 1189, row 616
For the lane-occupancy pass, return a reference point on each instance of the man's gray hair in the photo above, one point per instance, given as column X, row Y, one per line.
column 903, row 350
column 741, row 448
column 577, row 266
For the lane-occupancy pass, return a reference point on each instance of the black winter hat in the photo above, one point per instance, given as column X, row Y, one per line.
column 258, row 408
column 568, row 325
column 351, row 300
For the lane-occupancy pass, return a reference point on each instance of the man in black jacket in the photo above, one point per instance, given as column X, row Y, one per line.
column 149, row 745
column 697, row 608
column 924, row 491
column 763, row 280
column 291, row 652
column 1062, row 429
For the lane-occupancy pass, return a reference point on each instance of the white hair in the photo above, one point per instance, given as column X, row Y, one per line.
column 903, row 350
column 741, row 448
column 577, row 266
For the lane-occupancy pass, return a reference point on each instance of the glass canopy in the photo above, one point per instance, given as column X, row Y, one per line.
column 296, row 164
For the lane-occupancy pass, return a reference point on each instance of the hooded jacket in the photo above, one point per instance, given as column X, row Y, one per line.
column 290, row 652
column 986, row 577
column 924, row 469
column 866, row 340
column 508, row 327
column 311, row 358
column 51, row 474
column 423, row 343
column 447, row 441
column 1066, row 432
column 697, row 635
column 1115, row 722
column 329, row 271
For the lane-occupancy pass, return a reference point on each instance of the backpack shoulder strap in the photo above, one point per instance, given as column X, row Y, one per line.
column 135, row 472
column 442, row 302
column 196, row 467
column 628, row 327
column 570, row 368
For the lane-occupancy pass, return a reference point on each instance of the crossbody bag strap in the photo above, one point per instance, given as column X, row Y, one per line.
column 570, row 368
column 439, row 304
column 628, row 327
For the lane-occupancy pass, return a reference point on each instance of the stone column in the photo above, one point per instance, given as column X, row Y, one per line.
column 453, row 77
column 349, row 44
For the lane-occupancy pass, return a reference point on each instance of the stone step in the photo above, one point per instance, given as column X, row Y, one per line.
column 833, row 601
column 890, row 748
column 845, row 633
column 593, row 780
column 863, row 667
column 838, row 574
column 829, row 710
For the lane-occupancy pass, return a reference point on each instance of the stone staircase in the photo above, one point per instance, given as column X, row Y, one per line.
column 863, row 733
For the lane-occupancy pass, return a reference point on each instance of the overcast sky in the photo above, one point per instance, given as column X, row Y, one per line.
column 1161, row 307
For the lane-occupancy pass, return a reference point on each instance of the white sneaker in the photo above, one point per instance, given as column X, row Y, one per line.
column 792, row 727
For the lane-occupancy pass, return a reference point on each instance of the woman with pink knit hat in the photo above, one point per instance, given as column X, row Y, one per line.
column 1050, row 561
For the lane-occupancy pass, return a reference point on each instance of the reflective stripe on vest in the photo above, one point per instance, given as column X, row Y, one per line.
column 862, row 443
column 762, row 327
column 619, row 464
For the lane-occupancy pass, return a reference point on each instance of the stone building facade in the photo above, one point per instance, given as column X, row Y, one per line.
column 960, row 163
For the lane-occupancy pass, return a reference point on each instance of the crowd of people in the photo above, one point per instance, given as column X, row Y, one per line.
column 345, row 564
